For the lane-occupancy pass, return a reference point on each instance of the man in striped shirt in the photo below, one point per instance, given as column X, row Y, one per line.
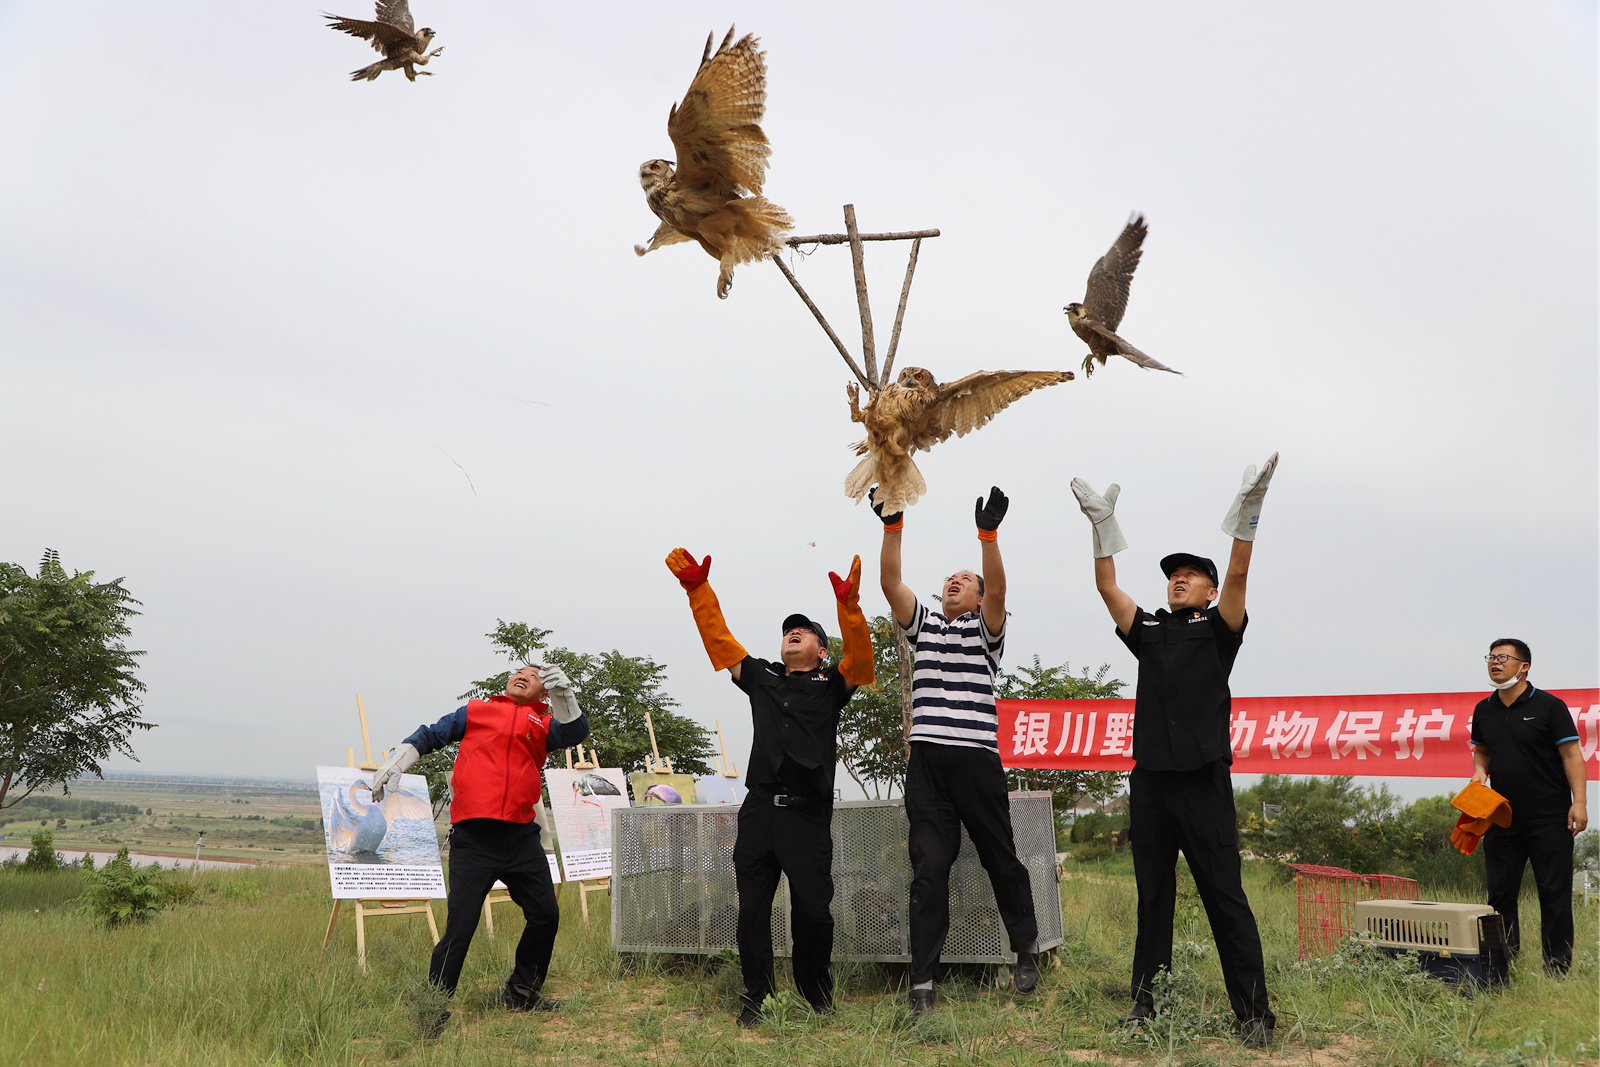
column 954, row 778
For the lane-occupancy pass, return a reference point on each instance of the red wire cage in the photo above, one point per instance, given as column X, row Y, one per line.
column 1326, row 898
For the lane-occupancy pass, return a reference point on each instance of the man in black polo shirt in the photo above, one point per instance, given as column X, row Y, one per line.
column 786, row 820
column 1524, row 740
column 1181, row 790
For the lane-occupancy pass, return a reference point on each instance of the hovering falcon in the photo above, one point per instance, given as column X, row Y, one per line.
column 714, row 194
column 1097, row 318
column 916, row 413
column 403, row 46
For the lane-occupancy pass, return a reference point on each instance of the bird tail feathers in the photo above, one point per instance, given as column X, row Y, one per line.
column 896, row 492
column 758, row 231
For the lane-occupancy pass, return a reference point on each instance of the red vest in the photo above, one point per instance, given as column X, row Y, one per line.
column 497, row 769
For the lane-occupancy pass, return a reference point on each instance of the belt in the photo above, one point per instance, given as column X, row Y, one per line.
column 784, row 800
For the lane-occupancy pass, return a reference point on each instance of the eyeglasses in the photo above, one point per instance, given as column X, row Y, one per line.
column 1501, row 658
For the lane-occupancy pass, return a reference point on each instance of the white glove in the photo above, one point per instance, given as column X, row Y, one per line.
column 387, row 777
column 1241, row 519
column 1102, row 511
column 558, row 690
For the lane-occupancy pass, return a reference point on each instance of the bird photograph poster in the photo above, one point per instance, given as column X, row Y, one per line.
column 385, row 849
column 655, row 788
column 581, row 803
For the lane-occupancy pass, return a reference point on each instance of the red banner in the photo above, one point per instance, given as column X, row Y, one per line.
column 1405, row 734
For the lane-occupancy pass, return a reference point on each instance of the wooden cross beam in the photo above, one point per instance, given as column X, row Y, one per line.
column 870, row 376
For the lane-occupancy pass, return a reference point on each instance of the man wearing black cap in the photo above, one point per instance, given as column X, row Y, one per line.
column 786, row 819
column 1181, row 792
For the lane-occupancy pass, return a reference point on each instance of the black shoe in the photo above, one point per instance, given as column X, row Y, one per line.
column 434, row 1026
column 1255, row 1033
column 1141, row 1014
column 750, row 1017
column 525, row 998
column 921, row 1001
column 1025, row 974
column 824, row 1009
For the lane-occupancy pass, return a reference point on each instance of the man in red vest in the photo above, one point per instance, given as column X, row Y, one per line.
column 504, row 742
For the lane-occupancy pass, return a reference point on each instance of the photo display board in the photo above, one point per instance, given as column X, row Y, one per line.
column 651, row 788
column 720, row 790
column 379, row 850
column 580, row 804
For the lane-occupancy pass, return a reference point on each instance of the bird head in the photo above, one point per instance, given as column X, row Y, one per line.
column 654, row 172
column 1074, row 311
column 915, row 378
column 425, row 35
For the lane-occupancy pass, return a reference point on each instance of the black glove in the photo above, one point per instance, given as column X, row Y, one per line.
column 988, row 516
column 890, row 520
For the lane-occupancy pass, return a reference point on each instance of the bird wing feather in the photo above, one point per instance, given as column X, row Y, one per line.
column 716, row 129
column 1112, row 276
column 397, row 13
column 964, row 405
column 381, row 34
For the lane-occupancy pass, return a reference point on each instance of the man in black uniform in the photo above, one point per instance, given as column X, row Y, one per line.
column 1181, row 790
column 1525, row 740
column 785, row 822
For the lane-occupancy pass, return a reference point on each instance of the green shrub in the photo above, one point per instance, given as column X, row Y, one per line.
column 122, row 893
column 43, row 856
column 244, row 891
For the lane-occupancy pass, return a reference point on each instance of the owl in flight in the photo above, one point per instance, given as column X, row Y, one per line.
column 1096, row 320
column 917, row 412
column 714, row 194
column 403, row 46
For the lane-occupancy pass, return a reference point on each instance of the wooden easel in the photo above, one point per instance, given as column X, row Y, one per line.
column 380, row 906
column 726, row 767
column 653, row 763
column 375, row 906
column 590, row 762
column 872, row 377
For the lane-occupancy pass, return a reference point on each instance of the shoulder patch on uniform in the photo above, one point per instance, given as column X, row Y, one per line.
column 1199, row 618
column 1152, row 622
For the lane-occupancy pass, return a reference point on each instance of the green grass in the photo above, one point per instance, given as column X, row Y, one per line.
column 238, row 978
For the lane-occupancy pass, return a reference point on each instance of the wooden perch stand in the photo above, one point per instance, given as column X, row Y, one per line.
column 869, row 374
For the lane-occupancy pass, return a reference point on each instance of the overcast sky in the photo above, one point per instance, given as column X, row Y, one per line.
column 254, row 315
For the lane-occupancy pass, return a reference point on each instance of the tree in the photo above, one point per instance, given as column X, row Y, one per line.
column 1331, row 821
column 614, row 691
column 1038, row 682
column 68, row 694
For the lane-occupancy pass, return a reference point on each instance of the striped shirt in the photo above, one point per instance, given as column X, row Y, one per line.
column 952, row 679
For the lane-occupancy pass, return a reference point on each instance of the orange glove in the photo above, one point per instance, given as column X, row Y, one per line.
column 855, row 665
column 720, row 645
column 1480, row 807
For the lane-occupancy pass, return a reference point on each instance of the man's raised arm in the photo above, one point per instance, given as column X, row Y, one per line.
column 988, row 517
column 902, row 601
column 726, row 653
column 1240, row 524
column 1101, row 511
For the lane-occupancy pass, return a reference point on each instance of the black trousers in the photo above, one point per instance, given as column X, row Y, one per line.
column 1548, row 846
column 1193, row 811
column 948, row 787
column 797, row 842
column 481, row 851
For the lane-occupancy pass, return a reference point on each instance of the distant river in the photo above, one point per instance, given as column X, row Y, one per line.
column 139, row 860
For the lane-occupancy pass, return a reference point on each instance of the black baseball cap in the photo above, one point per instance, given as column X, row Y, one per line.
column 1189, row 559
column 797, row 620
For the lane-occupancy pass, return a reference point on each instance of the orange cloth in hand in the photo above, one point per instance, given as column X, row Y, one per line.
column 720, row 645
column 1480, row 808
column 855, row 663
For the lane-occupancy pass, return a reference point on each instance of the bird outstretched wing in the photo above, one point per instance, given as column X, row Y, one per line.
column 964, row 405
column 381, row 34
column 1112, row 276
column 716, row 129
column 397, row 13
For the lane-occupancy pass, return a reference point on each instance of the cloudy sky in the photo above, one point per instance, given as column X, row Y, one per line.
column 261, row 325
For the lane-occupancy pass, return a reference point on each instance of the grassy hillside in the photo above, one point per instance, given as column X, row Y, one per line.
column 237, row 978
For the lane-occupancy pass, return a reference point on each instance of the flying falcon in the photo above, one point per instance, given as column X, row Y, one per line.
column 403, row 46
column 1096, row 320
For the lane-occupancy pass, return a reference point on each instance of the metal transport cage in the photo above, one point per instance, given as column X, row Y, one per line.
column 1456, row 942
column 1325, row 897
column 672, row 887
